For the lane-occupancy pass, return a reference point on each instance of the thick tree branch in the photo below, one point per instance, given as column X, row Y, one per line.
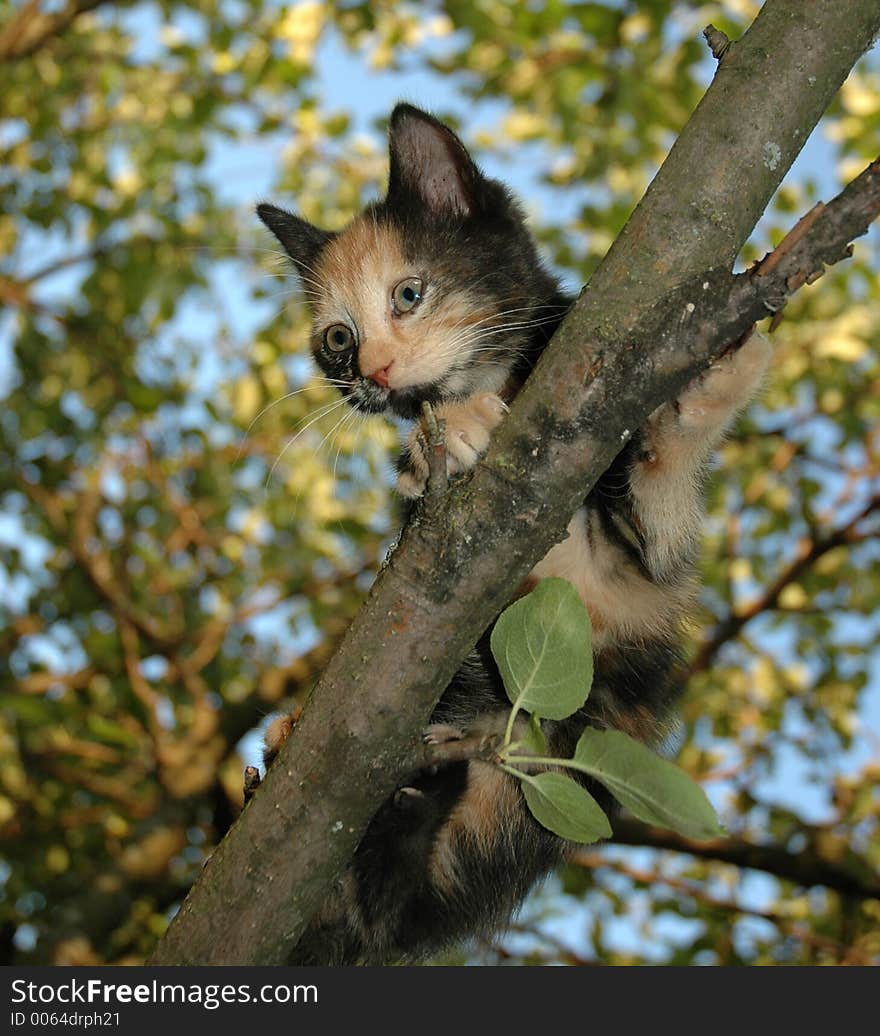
column 651, row 317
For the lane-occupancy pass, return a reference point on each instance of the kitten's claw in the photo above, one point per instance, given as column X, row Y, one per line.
column 469, row 426
column 411, row 484
column 441, row 734
column 407, row 797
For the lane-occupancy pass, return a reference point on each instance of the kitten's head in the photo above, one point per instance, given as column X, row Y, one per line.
column 434, row 293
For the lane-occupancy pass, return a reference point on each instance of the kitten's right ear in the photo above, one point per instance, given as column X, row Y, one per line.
column 300, row 239
column 429, row 162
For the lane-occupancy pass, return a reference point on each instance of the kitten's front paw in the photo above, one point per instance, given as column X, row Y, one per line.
column 441, row 734
column 727, row 386
column 469, row 426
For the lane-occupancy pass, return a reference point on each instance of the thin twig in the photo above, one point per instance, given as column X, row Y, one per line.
column 718, row 41
column 649, row 878
column 252, row 781
column 808, row 552
column 769, row 263
column 433, row 430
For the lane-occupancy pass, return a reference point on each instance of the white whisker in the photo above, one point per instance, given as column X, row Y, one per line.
column 323, row 412
column 281, row 399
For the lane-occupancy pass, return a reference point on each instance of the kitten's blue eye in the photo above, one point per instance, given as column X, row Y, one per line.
column 406, row 295
column 338, row 338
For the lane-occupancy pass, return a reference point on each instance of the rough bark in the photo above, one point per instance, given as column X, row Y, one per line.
column 661, row 306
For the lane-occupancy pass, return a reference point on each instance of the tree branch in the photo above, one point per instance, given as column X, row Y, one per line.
column 805, row 868
column 691, row 890
column 31, row 28
column 16, row 295
column 808, row 553
column 650, row 319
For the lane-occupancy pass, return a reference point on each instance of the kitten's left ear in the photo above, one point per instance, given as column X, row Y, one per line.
column 429, row 161
column 300, row 239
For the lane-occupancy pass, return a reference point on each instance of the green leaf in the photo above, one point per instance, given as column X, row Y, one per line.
column 652, row 789
column 543, row 646
column 533, row 740
column 564, row 807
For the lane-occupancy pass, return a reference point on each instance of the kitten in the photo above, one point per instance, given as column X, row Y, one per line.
column 437, row 293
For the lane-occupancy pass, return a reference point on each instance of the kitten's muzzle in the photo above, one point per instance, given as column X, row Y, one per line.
column 369, row 396
column 381, row 376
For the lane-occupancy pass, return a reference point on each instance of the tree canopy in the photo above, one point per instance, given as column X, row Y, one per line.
column 189, row 518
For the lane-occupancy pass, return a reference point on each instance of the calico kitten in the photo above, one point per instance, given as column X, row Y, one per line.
column 437, row 293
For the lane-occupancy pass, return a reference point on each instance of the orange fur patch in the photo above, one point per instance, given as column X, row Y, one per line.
column 622, row 604
column 489, row 798
column 353, row 281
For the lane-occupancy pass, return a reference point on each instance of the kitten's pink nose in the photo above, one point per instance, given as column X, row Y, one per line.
column 381, row 376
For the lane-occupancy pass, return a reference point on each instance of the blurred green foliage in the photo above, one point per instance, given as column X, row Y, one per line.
column 174, row 564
